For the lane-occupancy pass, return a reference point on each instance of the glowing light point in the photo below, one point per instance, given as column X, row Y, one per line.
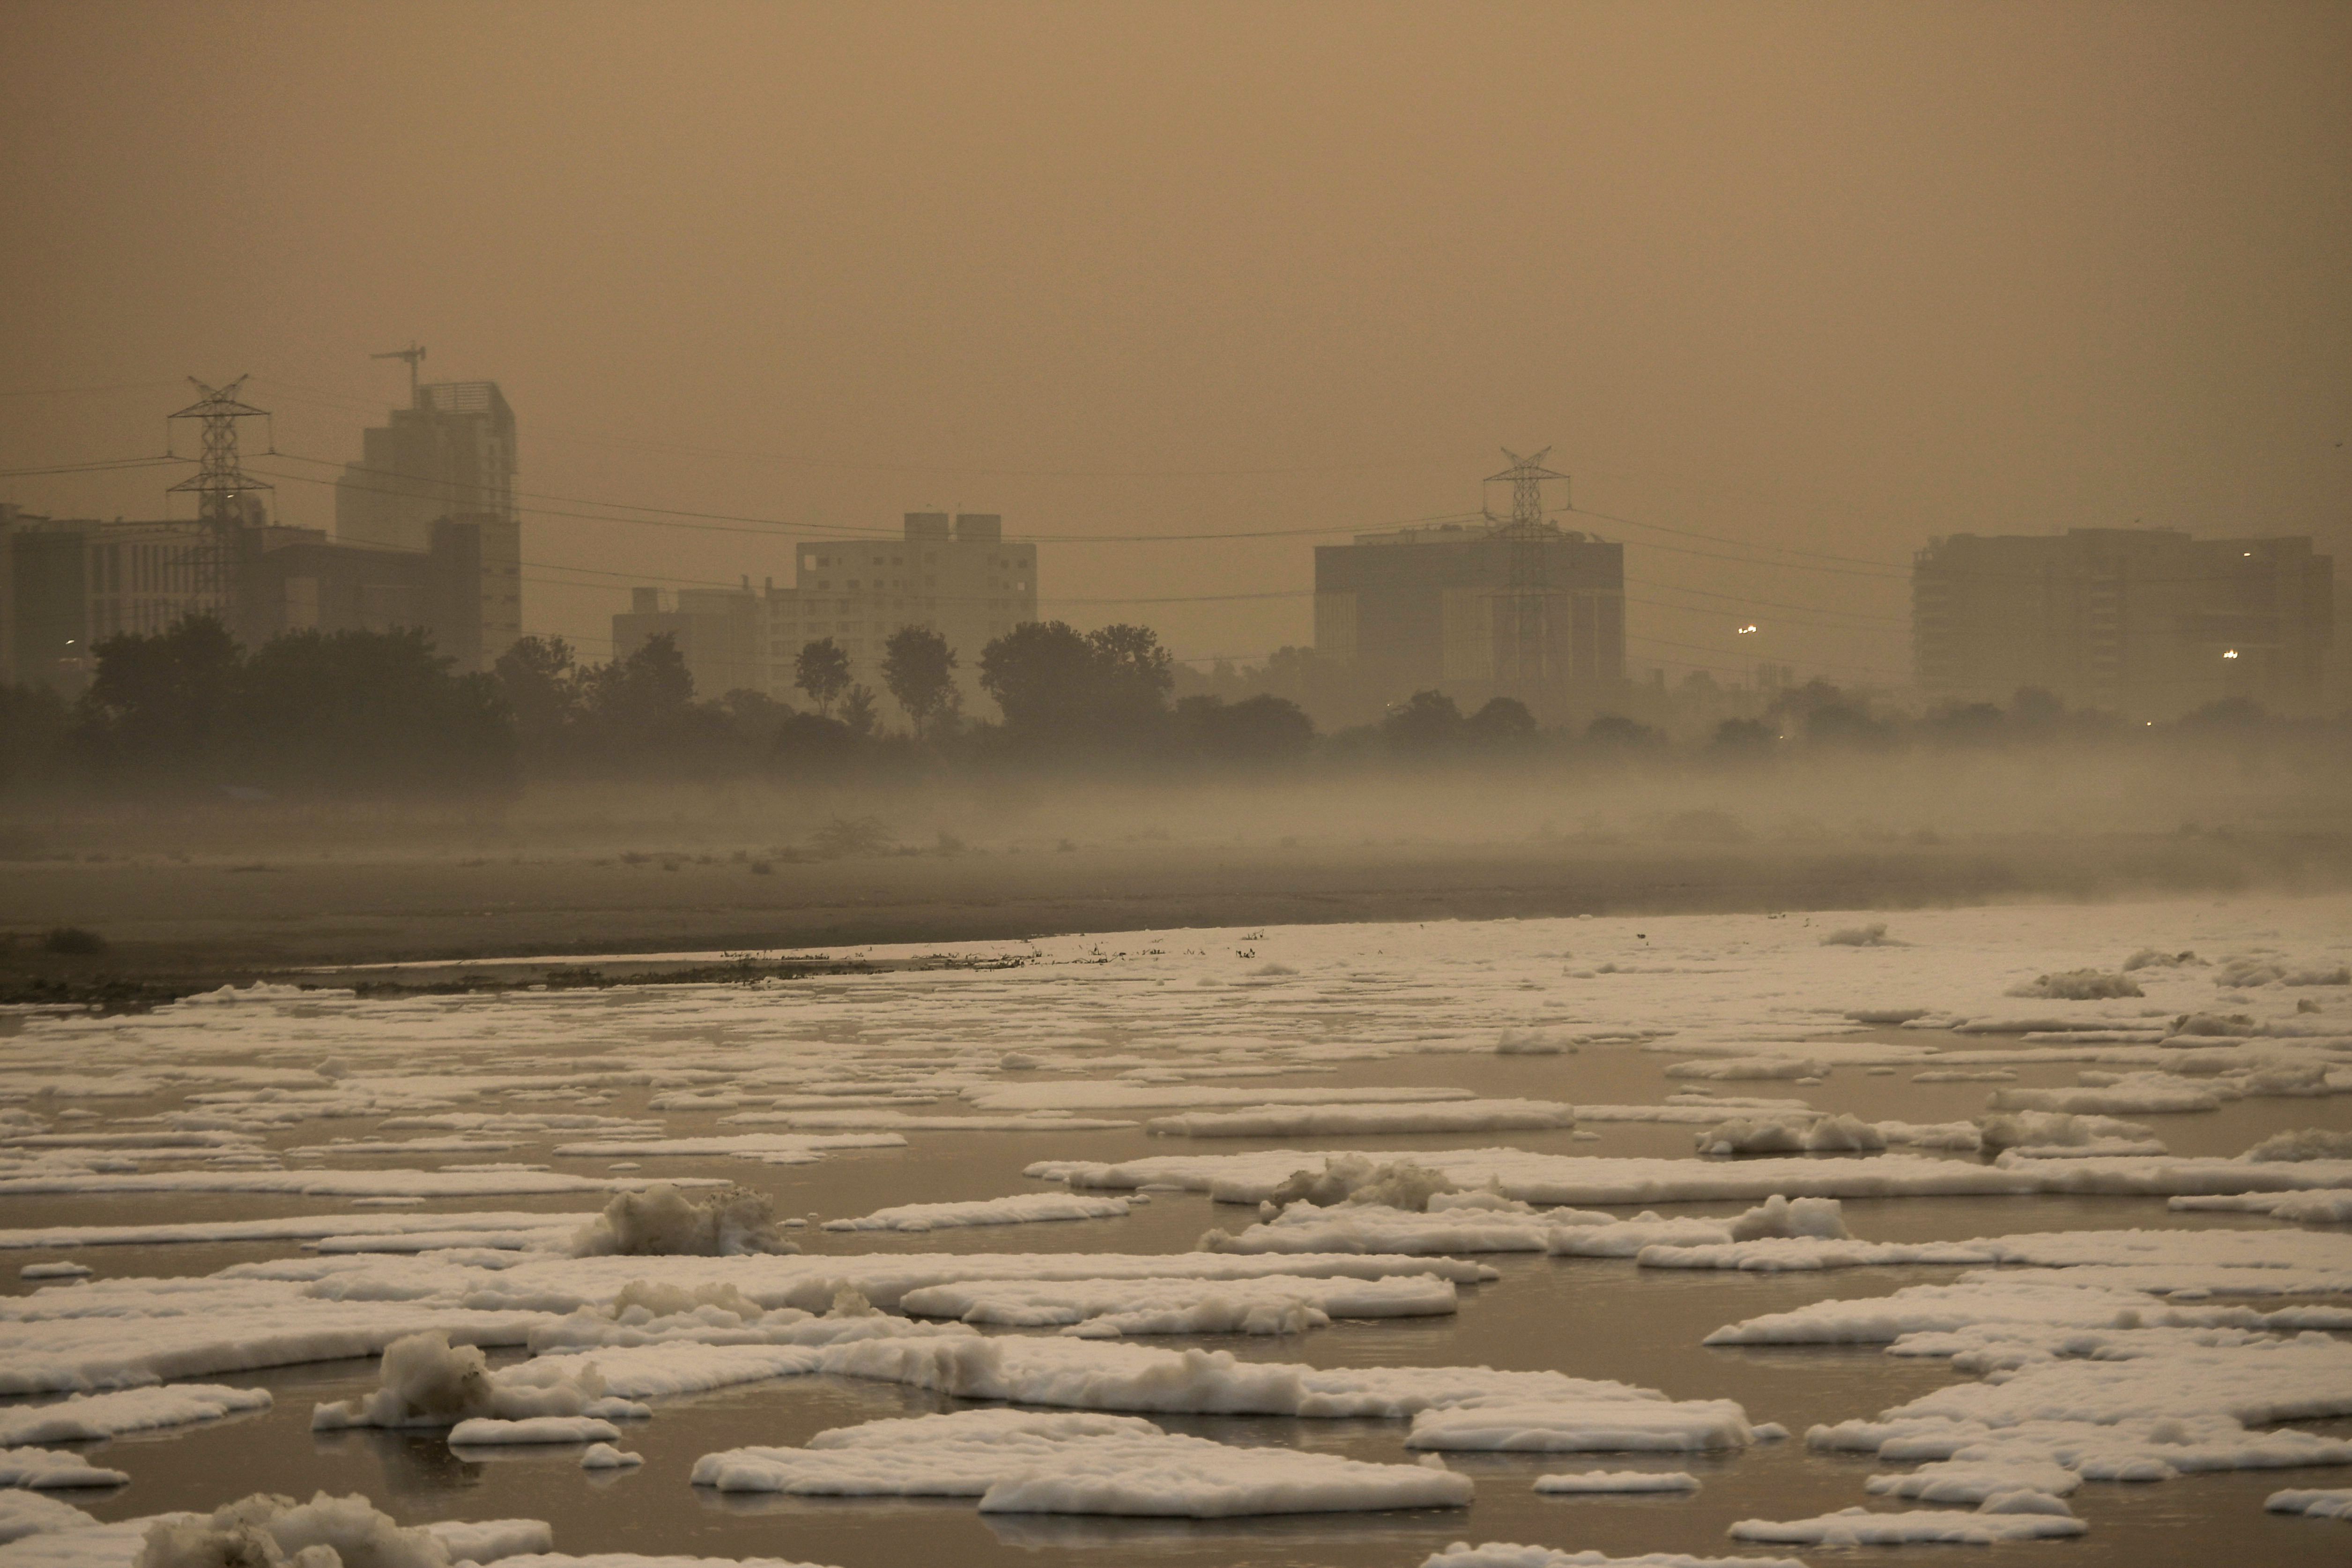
column 2232, row 654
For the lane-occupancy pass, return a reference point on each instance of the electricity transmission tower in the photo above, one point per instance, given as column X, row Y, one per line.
column 218, row 484
column 1522, row 639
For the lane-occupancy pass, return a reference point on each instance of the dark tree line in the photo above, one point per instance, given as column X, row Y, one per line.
column 190, row 710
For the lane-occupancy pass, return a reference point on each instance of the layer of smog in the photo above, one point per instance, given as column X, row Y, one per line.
column 1538, row 785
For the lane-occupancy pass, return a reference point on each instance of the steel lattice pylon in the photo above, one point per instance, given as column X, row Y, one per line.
column 1523, row 651
column 217, row 484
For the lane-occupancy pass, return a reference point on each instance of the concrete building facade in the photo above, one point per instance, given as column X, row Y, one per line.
column 1475, row 612
column 69, row 584
column 2147, row 623
column 952, row 575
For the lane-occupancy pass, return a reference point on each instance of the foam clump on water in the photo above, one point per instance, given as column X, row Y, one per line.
column 2057, row 1130
column 1511, row 1554
column 1841, row 1133
column 2011, row 1516
column 2245, row 974
column 1016, row 1461
column 53, row 1469
column 1356, row 1179
column 604, row 1457
column 266, row 1530
column 2305, row 1144
column 1823, row 1218
column 30, row 1513
column 643, row 1300
column 2079, row 986
column 662, row 1221
column 428, row 1382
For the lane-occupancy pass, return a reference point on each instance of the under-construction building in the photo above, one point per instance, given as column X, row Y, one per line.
column 447, row 458
column 1521, row 608
column 2145, row 623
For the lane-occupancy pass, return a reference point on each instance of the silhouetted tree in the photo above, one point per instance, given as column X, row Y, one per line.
column 1424, row 724
column 2036, row 710
column 2229, row 714
column 813, row 743
column 1256, row 730
column 164, row 700
column 309, row 709
column 539, row 678
column 369, row 710
column 35, row 736
column 1040, row 674
column 823, row 671
column 1742, row 739
column 858, row 709
column 1061, row 690
column 644, row 701
column 1502, row 722
column 1844, row 724
column 754, row 719
column 1968, row 724
column 1134, row 670
column 920, row 667
column 1615, row 732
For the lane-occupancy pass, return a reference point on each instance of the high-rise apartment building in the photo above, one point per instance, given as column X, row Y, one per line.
column 2147, row 623
column 954, row 575
column 1480, row 611
column 449, row 457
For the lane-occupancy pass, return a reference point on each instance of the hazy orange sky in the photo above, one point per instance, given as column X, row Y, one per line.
column 1827, row 278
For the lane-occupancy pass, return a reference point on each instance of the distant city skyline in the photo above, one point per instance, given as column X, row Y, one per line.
column 1793, row 292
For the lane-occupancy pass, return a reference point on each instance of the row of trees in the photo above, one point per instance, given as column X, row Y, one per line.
column 381, row 712
column 190, row 707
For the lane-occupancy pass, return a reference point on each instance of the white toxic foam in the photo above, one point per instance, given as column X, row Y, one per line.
column 1509, row 1554
column 2312, row 1503
column 24, row 1513
column 1023, row 1208
column 1857, row 1527
column 53, row 1469
column 87, row 1418
column 1027, row 1462
column 427, row 1381
column 1108, row 1309
column 663, row 1221
column 485, row 1431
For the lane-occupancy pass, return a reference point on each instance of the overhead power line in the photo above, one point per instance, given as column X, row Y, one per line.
column 107, row 465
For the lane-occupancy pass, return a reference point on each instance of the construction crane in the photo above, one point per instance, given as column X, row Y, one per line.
column 415, row 355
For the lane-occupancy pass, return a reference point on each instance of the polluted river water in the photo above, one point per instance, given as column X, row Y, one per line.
column 264, row 1184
